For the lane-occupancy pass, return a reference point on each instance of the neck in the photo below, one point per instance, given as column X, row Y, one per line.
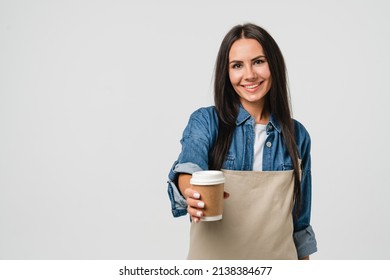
column 257, row 111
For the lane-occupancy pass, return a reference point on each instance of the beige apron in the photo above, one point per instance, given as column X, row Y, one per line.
column 257, row 219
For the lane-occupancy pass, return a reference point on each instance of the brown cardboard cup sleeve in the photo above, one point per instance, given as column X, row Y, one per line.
column 210, row 185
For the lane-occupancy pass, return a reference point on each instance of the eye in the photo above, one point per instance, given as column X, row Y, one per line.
column 236, row 66
column 258, row 61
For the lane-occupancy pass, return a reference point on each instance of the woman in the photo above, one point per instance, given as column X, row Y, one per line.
column 250, row 128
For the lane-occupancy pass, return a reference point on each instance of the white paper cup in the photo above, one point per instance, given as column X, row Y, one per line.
column 210, row 185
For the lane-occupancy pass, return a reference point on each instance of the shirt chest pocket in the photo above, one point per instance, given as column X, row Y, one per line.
column 229, row 162
column 287, row 165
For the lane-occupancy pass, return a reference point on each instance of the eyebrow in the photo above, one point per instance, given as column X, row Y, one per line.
column 253, row 59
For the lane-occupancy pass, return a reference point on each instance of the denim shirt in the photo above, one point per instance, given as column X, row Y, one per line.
column 198, row 139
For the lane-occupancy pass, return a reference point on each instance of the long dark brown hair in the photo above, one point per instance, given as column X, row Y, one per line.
column 277, row 101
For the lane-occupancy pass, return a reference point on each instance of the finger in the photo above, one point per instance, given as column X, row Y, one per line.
column 195, row 203
column 195, row 219
column 194, row 212
column 191, row 193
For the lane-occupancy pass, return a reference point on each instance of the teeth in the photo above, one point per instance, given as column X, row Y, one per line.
column 252, row 86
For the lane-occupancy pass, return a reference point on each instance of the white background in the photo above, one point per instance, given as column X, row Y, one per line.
column 94, row 96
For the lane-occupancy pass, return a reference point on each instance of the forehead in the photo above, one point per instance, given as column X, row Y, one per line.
column 245, row 48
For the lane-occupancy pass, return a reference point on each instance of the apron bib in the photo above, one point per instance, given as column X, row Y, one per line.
column 257, row 219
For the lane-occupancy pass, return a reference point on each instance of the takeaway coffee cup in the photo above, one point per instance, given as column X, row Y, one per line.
column 210, row 185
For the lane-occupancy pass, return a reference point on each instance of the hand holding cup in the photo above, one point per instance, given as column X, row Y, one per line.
column 205, row 197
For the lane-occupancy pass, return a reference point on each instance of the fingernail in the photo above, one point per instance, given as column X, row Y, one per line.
column 200, row 204
column 196, row 195
column 199, row 213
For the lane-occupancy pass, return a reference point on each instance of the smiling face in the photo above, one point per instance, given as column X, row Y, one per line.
column 249, row 73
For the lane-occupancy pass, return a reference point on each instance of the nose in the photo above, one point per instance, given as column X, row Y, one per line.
column 250, row 74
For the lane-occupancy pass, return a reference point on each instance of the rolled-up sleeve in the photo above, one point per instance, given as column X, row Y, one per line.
column 178, row 203
column 304, row 237
column 305, row 242
column 195, row 145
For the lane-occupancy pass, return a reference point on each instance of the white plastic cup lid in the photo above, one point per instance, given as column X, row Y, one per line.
column 207, row 177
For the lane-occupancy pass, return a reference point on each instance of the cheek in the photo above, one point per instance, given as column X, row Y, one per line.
column 267, row 73
column 234, row 78
column 269, row 81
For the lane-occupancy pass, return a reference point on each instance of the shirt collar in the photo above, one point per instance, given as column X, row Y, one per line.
column 243, row 116
column 274, row 123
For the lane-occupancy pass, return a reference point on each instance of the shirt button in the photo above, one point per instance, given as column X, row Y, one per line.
column 270, row 127
column 269, row 144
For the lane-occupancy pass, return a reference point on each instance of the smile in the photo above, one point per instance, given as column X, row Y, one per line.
column 251, row 86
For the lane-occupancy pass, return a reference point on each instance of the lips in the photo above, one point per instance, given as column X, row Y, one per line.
column 251, row 86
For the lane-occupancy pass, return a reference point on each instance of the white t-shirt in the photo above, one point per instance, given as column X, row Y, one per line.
column 260, row 137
